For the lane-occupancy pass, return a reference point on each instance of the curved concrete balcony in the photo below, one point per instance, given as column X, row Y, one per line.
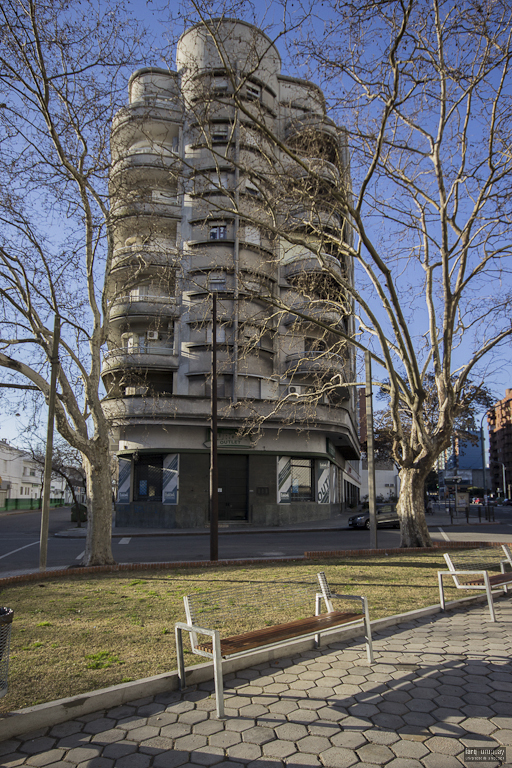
column 310, row 264
column 147, row 158
column 310, row 125
column 157, row 120
column 143, row 306
column 315, row 362
column 124, row 209
column 323, row 311
column 149, row 357
column 315, row 216
column 317, row 166
column 152, row 255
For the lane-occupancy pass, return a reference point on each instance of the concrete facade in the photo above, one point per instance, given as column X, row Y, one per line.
column 499, row 420
column 192, row 172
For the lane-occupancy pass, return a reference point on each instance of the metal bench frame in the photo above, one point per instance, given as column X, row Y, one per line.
column 483, row 582
column 216, row 653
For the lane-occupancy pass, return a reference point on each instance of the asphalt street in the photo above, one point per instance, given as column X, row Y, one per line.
column 19, row 540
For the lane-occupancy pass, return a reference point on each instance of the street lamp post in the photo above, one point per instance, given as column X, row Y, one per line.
column 214, row 469
column 370, row 453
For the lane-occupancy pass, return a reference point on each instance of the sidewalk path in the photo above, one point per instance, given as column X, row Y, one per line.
column 439, row 685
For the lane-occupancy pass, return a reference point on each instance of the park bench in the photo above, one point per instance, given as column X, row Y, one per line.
column 259, row 614
column 474, row 574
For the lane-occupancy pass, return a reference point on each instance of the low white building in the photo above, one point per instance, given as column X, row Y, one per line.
column 387, row 480
column 21, row 476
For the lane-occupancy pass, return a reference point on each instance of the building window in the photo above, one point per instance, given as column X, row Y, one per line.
column 148, row 478
column 252, row 235
column 301, row 487
column 220, row 85
column 217, row 281
column 253, row 92
column 219, row 133
column 219, row 232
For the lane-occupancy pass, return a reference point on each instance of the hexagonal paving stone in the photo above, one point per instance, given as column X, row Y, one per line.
column 381, row 737
column 252, row 710
column 291, row 732
column 478, row 725
column 244, row 752
column 208, row 727
column 375, row 753
column 208, row 755
column 141, row 734
column 119, row 749
column 238, row 724
column 313, row 744
column 258, row 735
column 131, row 722
column 163, row 718
column 190, row 742
column 279, row 749
column 36, row 746
column 136, row 760
column 107, row 737
column 444, row 745
column 337, row 757
column 170, row 759
column 303, row 760
column 225, row 739
column 81, row 754
column 193, row 717
column 302, row 716
column 64, row 729
column 410, row 749
column 348, row 739
column 43, row 759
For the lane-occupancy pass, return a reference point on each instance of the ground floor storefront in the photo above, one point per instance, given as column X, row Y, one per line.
column 158, row 489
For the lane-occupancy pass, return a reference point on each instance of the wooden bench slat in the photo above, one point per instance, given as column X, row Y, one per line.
column 249, row 640
column 494, row 580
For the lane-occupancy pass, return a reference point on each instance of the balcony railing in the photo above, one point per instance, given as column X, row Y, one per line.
column 141, row 349
column 312, row 361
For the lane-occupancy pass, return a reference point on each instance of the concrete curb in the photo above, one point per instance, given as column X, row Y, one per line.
column 55, row 712
column 64, row 572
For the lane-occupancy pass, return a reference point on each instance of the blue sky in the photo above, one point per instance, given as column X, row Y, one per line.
column 499, row 374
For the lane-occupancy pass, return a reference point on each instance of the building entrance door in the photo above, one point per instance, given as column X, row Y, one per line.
column 233, row 481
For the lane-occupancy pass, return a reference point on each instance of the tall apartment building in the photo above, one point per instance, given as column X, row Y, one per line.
column 499, row 420
column 194, row 186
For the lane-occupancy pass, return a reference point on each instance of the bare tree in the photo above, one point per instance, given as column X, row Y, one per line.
column 66, row 464
column 413, row 195
column 63, row 67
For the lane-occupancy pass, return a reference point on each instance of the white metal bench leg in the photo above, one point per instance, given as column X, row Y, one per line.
column 489, row 596
column 217, row 675
column 441, row 590
column 179, row 656
column 368, row 632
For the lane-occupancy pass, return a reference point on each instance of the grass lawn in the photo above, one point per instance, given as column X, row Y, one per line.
column 80, row 633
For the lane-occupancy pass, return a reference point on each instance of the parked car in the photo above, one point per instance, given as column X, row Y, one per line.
column 386, row 517
column 477, row 500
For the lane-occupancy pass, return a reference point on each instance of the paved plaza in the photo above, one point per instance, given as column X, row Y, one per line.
column 439, row 685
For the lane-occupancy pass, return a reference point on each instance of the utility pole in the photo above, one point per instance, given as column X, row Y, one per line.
column 370, row 453
column 214, row 469
column 45, row 510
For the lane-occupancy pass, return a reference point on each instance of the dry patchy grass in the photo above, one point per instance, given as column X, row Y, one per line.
column 86, row 632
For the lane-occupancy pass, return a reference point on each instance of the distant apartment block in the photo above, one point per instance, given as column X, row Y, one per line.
column 499, row 420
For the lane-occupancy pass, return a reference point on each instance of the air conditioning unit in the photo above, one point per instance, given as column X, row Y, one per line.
column 294, row 389
column 152, row 335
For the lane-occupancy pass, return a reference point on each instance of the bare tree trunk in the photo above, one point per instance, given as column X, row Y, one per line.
column 98, row 543
column 411, row 508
